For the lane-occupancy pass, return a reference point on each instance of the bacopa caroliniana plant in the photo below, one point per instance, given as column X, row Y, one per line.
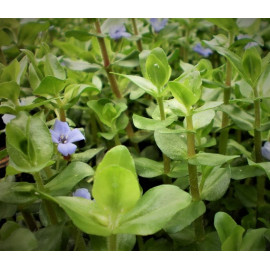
column 134, row 134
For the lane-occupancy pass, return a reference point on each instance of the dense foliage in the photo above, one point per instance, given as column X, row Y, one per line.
column 135, row 134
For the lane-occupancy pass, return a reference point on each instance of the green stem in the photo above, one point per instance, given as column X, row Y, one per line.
column 79, row 241
column 2, row 57
column 111, row 77
column 224, row 134
column 166, row 160
column 29, row 220
column 117, row 140
column 257, row 146
column 139, row 42
column 112, row 242
column 48, row 205
column 193, row 177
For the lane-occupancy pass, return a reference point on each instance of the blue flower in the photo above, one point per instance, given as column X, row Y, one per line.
column 64, row 137
column 205, row 52
column 118, row 31
column 158, row 24
column 265, row 150
column 83, row 193
column 7, row 118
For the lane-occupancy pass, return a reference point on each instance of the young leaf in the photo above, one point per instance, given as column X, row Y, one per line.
column 230, row 234
column 252, row 64
column 151, row 124
column 68, row 178
column 156, row 207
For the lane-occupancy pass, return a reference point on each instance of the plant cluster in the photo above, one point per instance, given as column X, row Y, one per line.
column 135, row 134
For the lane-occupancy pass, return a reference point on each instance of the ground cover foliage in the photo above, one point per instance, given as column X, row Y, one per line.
column 135, row 134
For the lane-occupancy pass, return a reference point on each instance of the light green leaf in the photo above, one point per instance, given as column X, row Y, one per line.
column 53, row 68
column 148, row 168
column 50, row 86
column 63, row 183
column 210, row 159
column 185, row 217
column 10, row 90
column 216, row 184
column 151, row 124
column 157, row 206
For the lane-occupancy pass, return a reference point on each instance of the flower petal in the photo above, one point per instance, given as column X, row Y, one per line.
column 61, row 128
column 7, row 118
column 265, row 150
column 66, row 148
column 75, row 135
column 55, row 136
column 83, row 193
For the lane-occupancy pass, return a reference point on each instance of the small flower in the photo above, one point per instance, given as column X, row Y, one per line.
column 64, row 137
column 118, row 31
column 265, row 150
column 248, row 45
column 83, row 193
column 158, row 24
column 205, row 52
column 7, row 118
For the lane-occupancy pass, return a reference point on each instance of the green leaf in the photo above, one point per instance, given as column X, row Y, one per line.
column 116, row 190
column 172, row 144
column 231, row 56
column 262, row 165
column 10, row 90
column 53, row 68
column 157, row 68
column 28, row 31
column 86, row 155
column 85, row 214
column 106, row 110
column 19, row 240
column 227, row 24
column 254, row 240
column 49, row 238
column 210, row 159
column 17, row 193
column 29, row 143
column 143, row 83
column 185, row 217
column 81, row 35
column 50, row 86
column 241, row 118
column 74, row 91
column 252, row 64
column 230, row 234
column 182, row 94
column 156, row 207
column 151, row 124
column 148, row 168
column 4, row 38
column 80, row 65
column 11, row 72
column 202, row 119
column 63, row 183
column 216, row 184
column 208, row 106
column 120, row 156
column 3, row 153
column 244, row 172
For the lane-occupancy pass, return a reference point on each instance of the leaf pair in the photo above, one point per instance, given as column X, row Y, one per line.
column 118, row 206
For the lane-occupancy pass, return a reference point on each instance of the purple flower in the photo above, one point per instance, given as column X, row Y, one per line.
column 265, row 150
column 118, row 31
column 205, row 52
column 7, row 118
column 64, row 137
column 248, row 45
column 83, row 193
column 158, row 24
